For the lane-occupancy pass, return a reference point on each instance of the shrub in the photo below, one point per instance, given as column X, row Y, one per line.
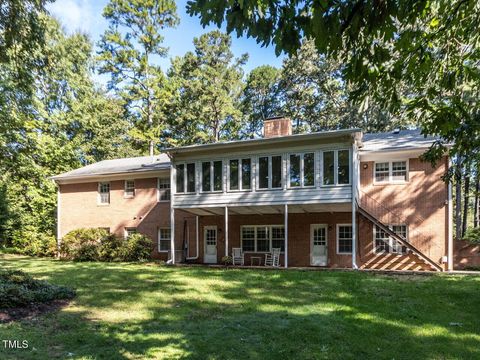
column 137, row 247
column 227, row 260
column 34, row 243
column 109, row 249
column 472, row 235
column 82, row 244
column 20, row 289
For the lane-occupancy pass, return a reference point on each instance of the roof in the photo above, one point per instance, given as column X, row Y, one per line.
column 119, row 166
column 263, row 141
column 396, row 140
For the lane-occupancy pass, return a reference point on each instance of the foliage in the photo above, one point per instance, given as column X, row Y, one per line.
column 128, row 46
column 18, row 288
column 208, row 86
column 82, row 244
column 109, row 248
column 472, row 235
column 227, row 260
column 137, row 247
column 174, row 312
column 427, row 47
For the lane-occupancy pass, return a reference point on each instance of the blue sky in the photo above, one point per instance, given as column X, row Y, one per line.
column 86, row 15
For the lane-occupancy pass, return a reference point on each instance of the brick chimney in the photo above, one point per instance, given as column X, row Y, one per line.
column 277, row 126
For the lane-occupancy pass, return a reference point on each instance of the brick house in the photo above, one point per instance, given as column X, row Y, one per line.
column 339, row 199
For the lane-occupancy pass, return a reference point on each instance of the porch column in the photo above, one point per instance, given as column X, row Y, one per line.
column 355, row 165
column 172, row 234
column 226, row 230
column 450, row 224
column 286, row 235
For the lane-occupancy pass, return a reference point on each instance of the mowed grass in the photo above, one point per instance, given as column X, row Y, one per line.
column 136, row 311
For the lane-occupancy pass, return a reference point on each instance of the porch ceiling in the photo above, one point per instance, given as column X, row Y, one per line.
column 270, row 209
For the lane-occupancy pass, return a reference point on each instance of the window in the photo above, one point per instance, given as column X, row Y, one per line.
column 164, row 239
column 262, row 238
column 328, row 168
column 240, row 174
column 191, row 177
column 180, row 178
column 164, row 189
column 270, row 172
column 212, row 170
column 104, row 193
column 339, row 160
column 129, row 188
column 130, row 231
column 302, row 170
column 246, row 174
column 343, row 167
column 385, row 244
column 394, row 171
column 344, row 239
column 234, row 170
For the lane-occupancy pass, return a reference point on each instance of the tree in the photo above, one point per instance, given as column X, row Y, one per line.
column 429, row 46
column 128, row 50
column 208, row 87
column 260, row 99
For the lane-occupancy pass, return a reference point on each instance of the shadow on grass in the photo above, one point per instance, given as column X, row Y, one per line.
column 136, row 311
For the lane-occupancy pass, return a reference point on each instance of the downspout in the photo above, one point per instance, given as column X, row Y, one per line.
column 354, row 204
column 58, row 218
column 450, row 223
column 196, row 240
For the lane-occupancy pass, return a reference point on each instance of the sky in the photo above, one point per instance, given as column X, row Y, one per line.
column 86, row 16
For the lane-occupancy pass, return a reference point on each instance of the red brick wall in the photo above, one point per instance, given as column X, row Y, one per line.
column 466, row 255
column 421, row 200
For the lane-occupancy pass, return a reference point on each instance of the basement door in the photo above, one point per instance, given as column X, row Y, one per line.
column 210, row 241
column 318, row 245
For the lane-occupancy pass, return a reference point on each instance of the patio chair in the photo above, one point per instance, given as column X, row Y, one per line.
column 273, row 258
column 237, row 256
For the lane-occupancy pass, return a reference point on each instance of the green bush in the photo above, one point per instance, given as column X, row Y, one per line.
column 34, row 243
column 472, row 235
column 109, row 249
column 137, row 247
column 82, row 244
column 20, row 289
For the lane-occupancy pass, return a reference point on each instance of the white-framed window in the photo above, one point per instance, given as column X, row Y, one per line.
column 185, row 178
column 269, row 172
column 344, row 238
column 383, row 243
column 164, row 189
column 336, row 165
column 262, row 238
column 391, row 171
column 129, row 189
column 129, row 231
column 301, row 170
column 212, row 176
column 164, row 239
column 104, row 193
column 240, row 174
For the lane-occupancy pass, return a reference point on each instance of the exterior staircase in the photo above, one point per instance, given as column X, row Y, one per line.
column 413, row 259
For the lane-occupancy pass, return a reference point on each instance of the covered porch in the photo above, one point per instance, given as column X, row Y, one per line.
column 307, row 234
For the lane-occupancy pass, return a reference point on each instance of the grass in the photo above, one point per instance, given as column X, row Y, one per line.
column 136, row 311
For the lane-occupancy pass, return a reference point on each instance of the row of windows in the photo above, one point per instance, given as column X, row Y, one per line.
column 300, row 166
column 163, row 188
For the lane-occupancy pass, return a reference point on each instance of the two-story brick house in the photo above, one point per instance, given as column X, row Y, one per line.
column 334, row 199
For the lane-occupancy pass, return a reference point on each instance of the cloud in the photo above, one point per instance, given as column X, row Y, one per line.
column 74, row 14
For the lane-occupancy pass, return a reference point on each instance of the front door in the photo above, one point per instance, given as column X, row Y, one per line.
column 318, row 247
column 210, row 240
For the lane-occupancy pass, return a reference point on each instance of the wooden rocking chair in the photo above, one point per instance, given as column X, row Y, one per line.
column 273, row 258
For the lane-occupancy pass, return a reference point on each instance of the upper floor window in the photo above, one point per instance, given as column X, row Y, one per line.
column 185, row 178
column 240, row 174
column 129, row 189
column 164, row 189
column 212, row 176
column 391, row 171
column 104, row 193
column 344, row 239
column 302, row 170
column 270, row 172
column 336, row 167
column 386, row 244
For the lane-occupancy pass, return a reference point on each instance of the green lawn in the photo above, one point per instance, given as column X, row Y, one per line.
column 131, row 311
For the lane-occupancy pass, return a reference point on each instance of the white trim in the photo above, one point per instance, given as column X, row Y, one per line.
column 59, row 199
column 82, row 179
column 159, row 196
column 301, row 156
column 159, row 239
column 240, row 174
column 335, row 167
column 185, row 177
column 312, row 228
column 354, row 176
column 282, row 175
column 450, row 224
column 125, row 196
column 226, row 230
column 337, row 239
column 212, row 177
column 173, row 185
column 99, row 196
column 286, row 236
column 390, row 240
column 205, row 228
column 390, row 172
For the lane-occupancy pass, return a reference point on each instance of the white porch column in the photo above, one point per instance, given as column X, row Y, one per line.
column 226, row 230
column 172, row 233
column 173, row 190
column 58, row 219
column 286, row 235
column 450, row 225
column 355, row 165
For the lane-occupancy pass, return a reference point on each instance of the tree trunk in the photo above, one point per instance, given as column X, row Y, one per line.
column 476, row 210
column 458, row 200
column 466, row 195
